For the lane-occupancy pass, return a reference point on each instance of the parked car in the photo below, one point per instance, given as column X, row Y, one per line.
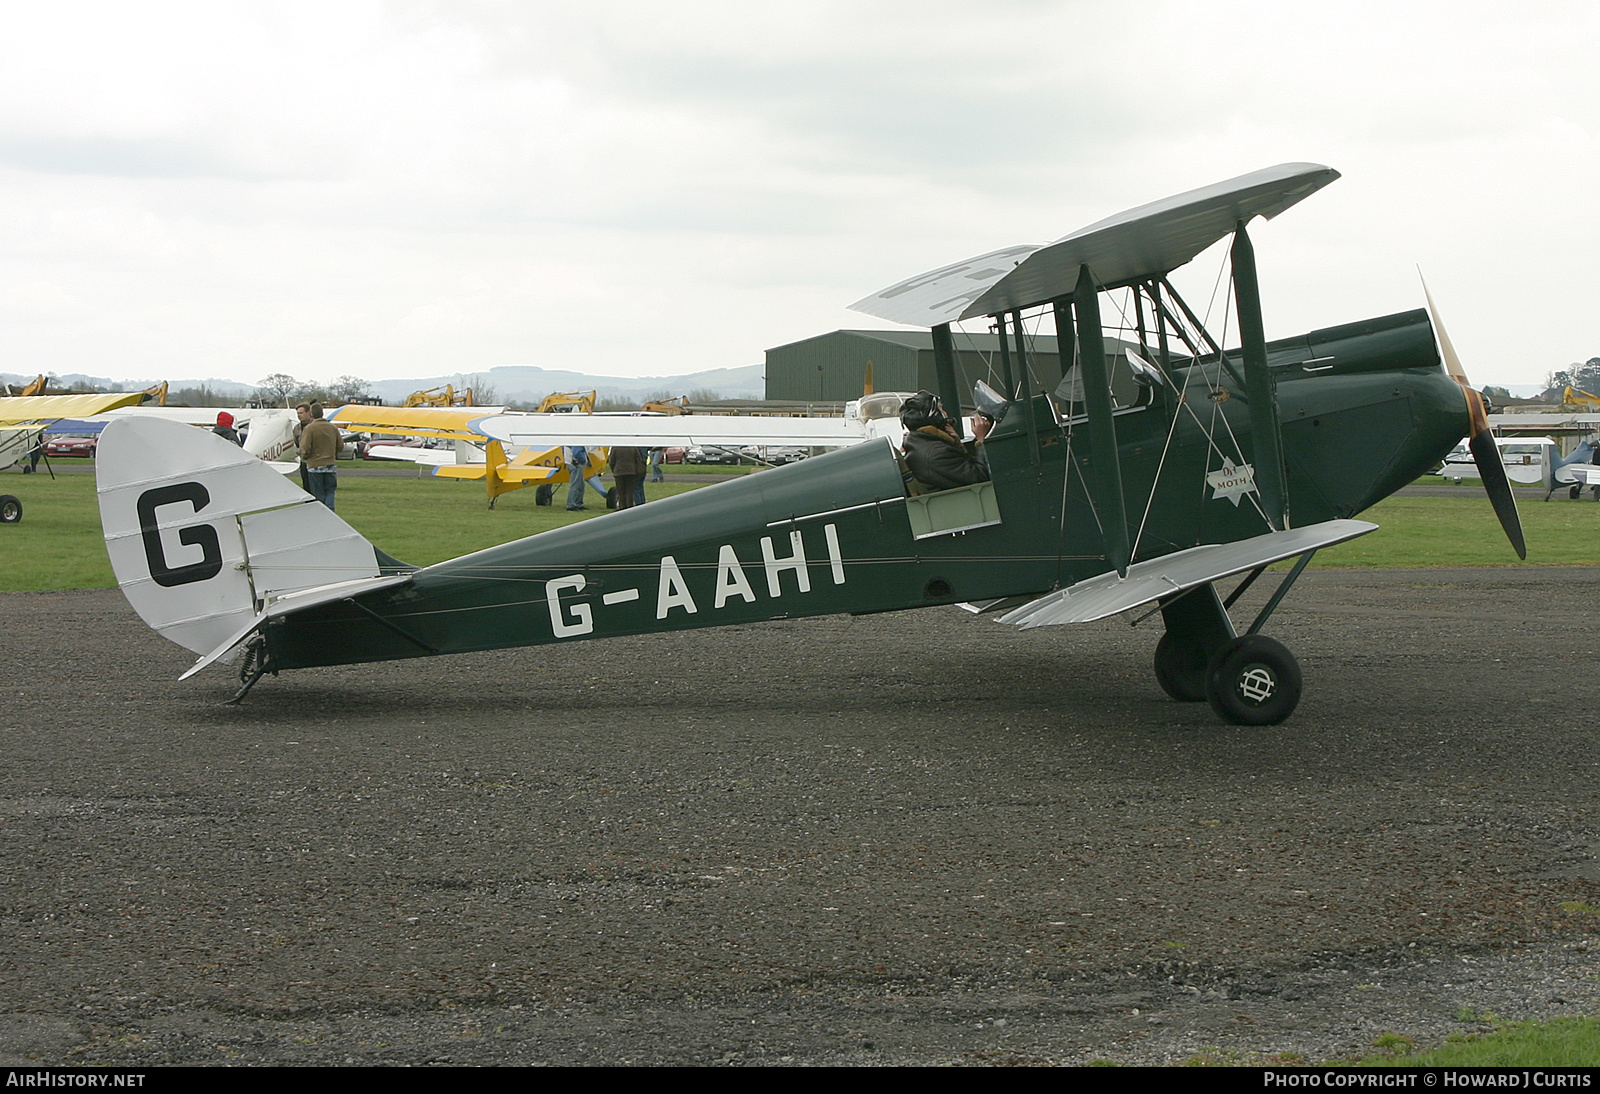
column 71, row 445
column 673, row 455
column 710, row 455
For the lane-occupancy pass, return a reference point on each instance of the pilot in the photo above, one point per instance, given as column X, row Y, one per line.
column 933, row 447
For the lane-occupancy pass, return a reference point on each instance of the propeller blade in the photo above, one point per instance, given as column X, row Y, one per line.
column 1487, row 456
column 1484, row 451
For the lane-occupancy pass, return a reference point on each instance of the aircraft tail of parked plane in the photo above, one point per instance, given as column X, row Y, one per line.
column 1574, row 471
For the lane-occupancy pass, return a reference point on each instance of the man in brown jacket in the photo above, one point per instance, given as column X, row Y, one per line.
column 319, row 452
column 628, row 468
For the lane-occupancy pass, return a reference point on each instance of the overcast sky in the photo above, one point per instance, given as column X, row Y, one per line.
column 414, row 189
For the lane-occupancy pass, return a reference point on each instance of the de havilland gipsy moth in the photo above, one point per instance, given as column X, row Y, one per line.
column 1145, row 477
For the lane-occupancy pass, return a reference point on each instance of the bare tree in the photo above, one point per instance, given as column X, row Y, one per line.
column 483, row 389
column 349, row 389
column 275, row 390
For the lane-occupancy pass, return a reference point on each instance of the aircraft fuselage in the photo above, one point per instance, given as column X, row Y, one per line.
column 838, row 533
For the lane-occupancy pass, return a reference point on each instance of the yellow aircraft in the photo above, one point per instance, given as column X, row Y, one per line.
column 23, row 417
column 530, row 467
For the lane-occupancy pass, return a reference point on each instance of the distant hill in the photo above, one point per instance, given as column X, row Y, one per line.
column 529, row 383
column 511, row 383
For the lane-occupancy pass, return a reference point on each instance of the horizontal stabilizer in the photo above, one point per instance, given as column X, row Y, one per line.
column 294, row 602
column 1149, row 581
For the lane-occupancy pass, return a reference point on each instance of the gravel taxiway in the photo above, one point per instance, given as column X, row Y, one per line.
column 912, row 838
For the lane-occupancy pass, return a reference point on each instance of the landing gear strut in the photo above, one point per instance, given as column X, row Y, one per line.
column 252, row 668
column 1249, row 679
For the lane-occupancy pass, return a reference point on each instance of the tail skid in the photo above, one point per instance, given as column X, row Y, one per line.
column 207, row 542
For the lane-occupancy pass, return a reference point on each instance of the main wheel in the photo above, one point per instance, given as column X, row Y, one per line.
column 611, row 498
column 1181, row 668
column 1253, row 681
column 544, row 494
column 10, row 509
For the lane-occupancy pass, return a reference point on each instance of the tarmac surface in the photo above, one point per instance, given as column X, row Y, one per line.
column 915, row 838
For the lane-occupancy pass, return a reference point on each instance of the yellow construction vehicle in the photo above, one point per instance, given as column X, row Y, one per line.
column 567, row 402
column 440, row 396
column 1575, row 396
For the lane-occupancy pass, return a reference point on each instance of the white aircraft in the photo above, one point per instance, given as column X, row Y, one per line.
column 268, row 432
column 1524, row 458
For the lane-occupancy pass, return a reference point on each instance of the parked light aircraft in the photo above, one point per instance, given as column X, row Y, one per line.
column 1574, row 472
column 472, row 454
column 1523, row 458
column 23, row 418
column 1224, row 463
column 1532, row 460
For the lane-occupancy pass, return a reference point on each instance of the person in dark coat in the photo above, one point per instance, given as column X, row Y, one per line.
column 628, row 468
column 224, row 428
column 934, row 451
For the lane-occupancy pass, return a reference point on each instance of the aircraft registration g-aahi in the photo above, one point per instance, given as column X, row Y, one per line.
column 1142, row 479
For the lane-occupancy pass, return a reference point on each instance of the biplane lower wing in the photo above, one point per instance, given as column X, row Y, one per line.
column 1159, row 578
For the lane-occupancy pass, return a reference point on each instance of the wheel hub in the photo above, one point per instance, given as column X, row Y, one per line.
column 1256, row 684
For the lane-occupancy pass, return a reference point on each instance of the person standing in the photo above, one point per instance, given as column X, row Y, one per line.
column 628, row 468
column 302, row 412
column 224, row 428
column 655, row 465
column 576, row 457
column 319, row 453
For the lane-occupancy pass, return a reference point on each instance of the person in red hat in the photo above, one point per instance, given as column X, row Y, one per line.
column 224, row 428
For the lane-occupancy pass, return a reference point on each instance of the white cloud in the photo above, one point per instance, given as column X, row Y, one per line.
column 411, row 188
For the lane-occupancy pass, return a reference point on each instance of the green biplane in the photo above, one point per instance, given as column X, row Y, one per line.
column 1142, row 478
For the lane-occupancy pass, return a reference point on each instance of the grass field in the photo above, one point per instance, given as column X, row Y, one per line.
column 1562, row 1042
column 427, row 520
column 421, row 521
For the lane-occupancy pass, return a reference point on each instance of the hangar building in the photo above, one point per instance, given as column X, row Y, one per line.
column 831, row 367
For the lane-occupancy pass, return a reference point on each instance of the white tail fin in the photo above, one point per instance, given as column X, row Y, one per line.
column 203, row 536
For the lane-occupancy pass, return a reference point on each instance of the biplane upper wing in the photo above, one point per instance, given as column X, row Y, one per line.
column 1148, row 241
column 1108, row 594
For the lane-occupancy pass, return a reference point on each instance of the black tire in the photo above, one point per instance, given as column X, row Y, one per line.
column 544, row 495
column 611, row 498
column 1181, row 669
column 10, row 509
column 1253, row 681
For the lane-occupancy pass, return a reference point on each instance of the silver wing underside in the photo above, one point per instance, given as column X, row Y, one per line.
column 1148, row 241
column 1108, row 594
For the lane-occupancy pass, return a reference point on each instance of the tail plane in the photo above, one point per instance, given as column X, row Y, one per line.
column 205, row 539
